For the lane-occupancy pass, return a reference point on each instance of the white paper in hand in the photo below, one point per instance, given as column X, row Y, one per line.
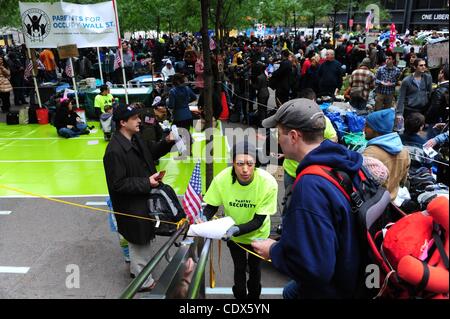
column 214, row 229
column 179, row 143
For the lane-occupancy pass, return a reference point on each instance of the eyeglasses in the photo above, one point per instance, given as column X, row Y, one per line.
column 248, row 163
column 423, row 65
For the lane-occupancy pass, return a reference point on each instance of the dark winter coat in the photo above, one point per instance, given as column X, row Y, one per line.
column 127, row 169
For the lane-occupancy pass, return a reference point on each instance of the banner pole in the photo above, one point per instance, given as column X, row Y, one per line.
column 100, row 65
column 36, row 88
column 74, row 83
column 121, row 51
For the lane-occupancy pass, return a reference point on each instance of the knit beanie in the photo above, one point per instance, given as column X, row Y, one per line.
column 244, row 148
column 377, row 169
column 382, row 121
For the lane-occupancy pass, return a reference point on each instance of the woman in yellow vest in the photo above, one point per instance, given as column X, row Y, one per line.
column 249, row 196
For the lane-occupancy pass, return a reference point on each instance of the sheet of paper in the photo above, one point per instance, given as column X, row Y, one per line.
column 430, row 152
column 181, row 147
column 214, row 229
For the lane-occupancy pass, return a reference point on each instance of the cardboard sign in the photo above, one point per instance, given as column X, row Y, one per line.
column 68, row 51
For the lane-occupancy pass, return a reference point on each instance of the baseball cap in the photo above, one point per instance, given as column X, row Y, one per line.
column 299, row 114
column 125, row 112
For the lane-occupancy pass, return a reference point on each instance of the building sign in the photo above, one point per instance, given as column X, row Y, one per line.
column 434, row 17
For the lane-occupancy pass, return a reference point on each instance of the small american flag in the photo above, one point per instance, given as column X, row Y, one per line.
column 28, row 69
column 192, row 200
column 69, row 71
column 117, row 60
column 369, row 18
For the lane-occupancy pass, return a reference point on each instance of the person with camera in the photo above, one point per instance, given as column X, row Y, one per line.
column 280, row 79
column 130, row 175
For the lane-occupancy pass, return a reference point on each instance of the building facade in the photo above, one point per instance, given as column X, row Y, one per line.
column 407, row 14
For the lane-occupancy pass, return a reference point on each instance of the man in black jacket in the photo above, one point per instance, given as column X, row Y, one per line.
column 131, row 174
column 330, row 76
column 438, row 112
column 281, row 79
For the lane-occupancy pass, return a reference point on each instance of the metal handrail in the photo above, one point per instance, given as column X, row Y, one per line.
column 197, row 278
column 137, row 283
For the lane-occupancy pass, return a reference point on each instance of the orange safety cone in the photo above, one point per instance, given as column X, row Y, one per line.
column 225, row 112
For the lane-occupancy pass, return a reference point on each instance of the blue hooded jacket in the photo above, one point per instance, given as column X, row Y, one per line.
column 391, row 143
column 319, row 244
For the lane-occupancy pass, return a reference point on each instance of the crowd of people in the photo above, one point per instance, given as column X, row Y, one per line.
column 405, row 109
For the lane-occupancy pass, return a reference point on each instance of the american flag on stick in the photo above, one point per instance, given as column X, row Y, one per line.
column 69, row 70
column 192, row 200
column 28, row 70
column 117, row 60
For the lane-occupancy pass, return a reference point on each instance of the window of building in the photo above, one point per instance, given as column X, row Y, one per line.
column 400, row 4
column 438, row 4
column 421, row 4
column 389, row 4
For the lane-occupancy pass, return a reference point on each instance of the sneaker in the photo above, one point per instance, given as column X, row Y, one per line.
column 149, row 288
column 434, row 187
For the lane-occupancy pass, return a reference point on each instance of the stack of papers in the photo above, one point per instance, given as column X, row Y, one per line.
column 214, row 229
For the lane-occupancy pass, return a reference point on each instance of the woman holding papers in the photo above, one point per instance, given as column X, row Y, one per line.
column 249, row 196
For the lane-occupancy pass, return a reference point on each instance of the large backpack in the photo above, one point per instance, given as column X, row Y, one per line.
column 375, row 214
column 372, row 209
column 163, row 205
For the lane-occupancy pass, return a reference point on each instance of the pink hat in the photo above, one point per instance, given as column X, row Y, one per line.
column 377, row 169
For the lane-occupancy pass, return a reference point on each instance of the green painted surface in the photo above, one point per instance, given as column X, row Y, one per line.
column 34, row 159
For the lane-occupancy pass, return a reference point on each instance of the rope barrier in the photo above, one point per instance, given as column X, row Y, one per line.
column 87, row 207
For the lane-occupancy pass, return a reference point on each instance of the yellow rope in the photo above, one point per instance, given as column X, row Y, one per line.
column 253, row 253
column 212, row 273
column 87, row 207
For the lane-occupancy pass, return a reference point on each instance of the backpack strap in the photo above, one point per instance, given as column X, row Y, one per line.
column 338, row 178
column 327, row 173
column 439, row 245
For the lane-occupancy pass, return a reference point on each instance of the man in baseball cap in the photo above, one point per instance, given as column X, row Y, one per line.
column 318, row 211
column 131, row 174
column 302, row 114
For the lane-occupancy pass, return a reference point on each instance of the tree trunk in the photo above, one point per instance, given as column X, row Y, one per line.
column 334, row 25
column 208, row 78
column 314, row 25
column 158, row 26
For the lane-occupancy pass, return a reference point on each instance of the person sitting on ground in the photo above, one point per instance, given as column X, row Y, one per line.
column 104, row 98
column 67, row 122
column 386, row 145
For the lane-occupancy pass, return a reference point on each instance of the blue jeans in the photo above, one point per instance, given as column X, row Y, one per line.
column 68, row 133
column 290, row 291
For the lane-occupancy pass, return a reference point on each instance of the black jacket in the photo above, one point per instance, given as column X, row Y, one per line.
column 330, row 75
column 438, row 112
column 65, row 117
column 127, row 170
column 282, row 76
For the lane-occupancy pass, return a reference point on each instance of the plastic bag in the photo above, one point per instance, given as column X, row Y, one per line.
column 355, row 122
column 338, row 122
